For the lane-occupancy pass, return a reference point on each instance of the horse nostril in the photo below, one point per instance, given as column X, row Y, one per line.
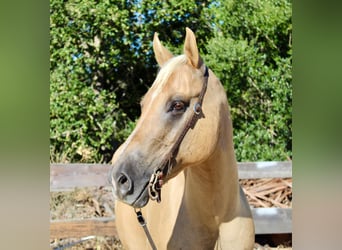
column 124, row 184
column 122, row 179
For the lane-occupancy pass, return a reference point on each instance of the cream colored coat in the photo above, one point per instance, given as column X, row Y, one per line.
column 203, row 206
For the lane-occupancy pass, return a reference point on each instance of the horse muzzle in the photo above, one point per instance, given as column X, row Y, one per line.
column 130, row 182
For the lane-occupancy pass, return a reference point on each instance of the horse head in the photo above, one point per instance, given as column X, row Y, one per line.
column 170, row 107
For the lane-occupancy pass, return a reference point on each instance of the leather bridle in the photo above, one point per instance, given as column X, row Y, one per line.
column 156, row 181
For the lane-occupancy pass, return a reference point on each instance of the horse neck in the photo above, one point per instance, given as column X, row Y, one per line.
column 212, row 186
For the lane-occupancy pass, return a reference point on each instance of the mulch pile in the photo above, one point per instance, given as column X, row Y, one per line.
column 263, row 193
column 275, row 192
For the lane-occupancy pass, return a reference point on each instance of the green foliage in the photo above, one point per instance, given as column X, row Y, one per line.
column 83, row 125
column 102, row 63
column 251, row 54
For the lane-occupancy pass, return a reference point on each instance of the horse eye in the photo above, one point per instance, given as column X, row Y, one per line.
column 177, row 107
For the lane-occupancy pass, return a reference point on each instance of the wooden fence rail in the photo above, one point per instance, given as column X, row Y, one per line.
column 69, row 176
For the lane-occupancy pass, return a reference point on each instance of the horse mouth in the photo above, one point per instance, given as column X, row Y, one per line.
column 142, row 198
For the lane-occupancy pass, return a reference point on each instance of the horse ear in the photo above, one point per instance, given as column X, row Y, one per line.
column 191, row 50
column 161, row 53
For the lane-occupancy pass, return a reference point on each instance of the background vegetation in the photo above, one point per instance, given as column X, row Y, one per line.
column 102, row 63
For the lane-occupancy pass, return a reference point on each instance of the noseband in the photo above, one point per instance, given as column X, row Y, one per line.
column 156, row 181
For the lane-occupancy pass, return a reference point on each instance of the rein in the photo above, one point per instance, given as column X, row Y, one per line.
column 156, row 181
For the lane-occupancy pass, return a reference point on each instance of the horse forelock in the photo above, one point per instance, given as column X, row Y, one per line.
column 165, row 73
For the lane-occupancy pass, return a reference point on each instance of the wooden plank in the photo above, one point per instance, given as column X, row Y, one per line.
column 265, row 169
column 272, row 220
column 267, row 221
column 82, row 227
column 68, row 176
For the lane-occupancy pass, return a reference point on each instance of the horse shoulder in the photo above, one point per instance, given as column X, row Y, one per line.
column 238, row 233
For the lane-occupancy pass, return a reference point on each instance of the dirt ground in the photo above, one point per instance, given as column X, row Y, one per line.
column 98, row 202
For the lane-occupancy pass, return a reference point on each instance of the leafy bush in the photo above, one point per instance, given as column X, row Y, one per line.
column 251, row 54
column 83, row 124
column 102, row 63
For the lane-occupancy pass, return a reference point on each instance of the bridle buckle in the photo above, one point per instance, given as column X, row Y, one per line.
column 197, row 108
column 154, row 186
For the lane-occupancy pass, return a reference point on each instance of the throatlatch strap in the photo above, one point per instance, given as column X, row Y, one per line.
column 197, row 110
column 166, row 166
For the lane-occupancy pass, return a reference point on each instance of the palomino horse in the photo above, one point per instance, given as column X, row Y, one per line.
column 181, row 154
